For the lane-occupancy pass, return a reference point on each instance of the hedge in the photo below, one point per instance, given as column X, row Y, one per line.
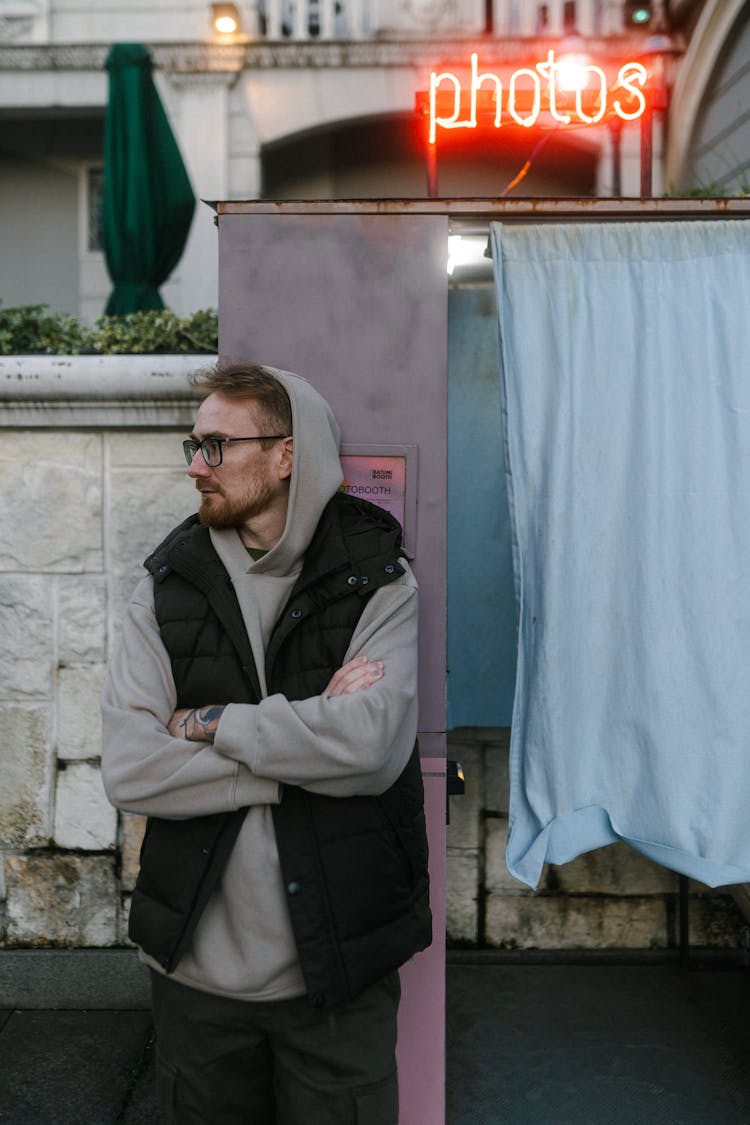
column 34, row 330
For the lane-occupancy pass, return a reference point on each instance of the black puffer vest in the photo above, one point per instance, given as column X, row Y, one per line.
column 355, row 869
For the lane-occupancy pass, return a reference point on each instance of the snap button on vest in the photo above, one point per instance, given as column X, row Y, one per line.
column 296, row 613
column 390, row 568
column 352, row 580
column 294, row 887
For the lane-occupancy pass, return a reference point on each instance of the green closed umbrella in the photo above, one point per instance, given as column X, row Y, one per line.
column 148, row 200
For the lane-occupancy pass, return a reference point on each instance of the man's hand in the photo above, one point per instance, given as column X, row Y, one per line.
column 355, row 675
column 197, row 724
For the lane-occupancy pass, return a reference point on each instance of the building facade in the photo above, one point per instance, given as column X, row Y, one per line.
column 316, row 99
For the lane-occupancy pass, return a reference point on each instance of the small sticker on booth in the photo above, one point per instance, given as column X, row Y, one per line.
column 381, row 480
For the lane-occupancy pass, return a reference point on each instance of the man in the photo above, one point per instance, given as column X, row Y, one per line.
column 261, row 710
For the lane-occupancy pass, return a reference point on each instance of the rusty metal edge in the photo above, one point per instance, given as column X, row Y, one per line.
column 505, row 209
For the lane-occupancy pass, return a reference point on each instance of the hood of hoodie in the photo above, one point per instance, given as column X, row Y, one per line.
column 316, row 473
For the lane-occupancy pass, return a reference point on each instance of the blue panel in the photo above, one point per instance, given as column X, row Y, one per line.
column 481, row 596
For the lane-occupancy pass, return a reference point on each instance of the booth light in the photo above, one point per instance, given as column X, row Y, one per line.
column 466, row 251
column 225, row 18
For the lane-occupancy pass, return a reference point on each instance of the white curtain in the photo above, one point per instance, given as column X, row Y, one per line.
column 625, row 385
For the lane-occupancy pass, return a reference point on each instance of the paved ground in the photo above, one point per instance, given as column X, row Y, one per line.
column 598, row 1045
column 76, row 1068
column 527, row 1044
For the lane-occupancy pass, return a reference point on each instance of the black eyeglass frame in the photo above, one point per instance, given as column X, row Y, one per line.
column 190, row 446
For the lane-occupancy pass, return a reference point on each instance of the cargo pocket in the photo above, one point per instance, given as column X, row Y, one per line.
column 378, row 1104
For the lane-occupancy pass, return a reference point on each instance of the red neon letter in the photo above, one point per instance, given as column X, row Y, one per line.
column 476, row 83
column 547, row 70
column 628, row 74
column 537, row 105
column 602, row 97
column 446, row 122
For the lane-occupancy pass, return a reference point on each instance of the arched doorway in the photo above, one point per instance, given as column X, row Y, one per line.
column 384, row 158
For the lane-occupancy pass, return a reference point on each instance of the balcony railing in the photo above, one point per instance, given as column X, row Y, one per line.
column 512, row 19
column 33, row 21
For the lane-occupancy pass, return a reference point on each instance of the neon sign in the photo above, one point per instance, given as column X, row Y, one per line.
column 572, row 94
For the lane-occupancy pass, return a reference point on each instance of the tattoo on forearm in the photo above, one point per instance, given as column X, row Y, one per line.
column 208, row 715
column 201, row 721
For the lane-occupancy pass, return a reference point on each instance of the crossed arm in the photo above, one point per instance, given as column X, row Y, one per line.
column 182, row 763
column 198, row 724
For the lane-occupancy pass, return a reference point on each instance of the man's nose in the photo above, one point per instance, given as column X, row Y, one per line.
column 198, row 466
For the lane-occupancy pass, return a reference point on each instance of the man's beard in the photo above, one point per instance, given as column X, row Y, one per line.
column 218, row 512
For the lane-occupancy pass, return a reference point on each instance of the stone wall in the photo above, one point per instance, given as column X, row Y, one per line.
column 91, row 472
column 611, row 898
column 91, row 476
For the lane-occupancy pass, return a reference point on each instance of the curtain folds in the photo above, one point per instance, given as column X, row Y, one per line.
column 625, row 389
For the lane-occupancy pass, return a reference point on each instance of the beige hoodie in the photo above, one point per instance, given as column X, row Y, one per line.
column 243, row 946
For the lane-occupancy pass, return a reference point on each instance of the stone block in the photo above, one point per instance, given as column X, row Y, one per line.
column 548, row 922
column 26, row 628
column 79, row 728
column 132, row 828
column 25, row 774
column 146, row 505
column 82, row 619
column 65, row 900
column 461, row 881
column 497, row 782
column 498, row 880
column 461, row 737
column 123, row 918
column 465, row 810
column 50, row 494
column 84, row 817
column 150, row 449
column 613, row 870
column 716, row 921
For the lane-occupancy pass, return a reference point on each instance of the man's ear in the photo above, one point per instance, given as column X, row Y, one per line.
column 287, row 458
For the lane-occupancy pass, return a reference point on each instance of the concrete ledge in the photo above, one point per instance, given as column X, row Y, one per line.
column 110, row 391
column 697, row 956
column 73, row 978
column 104, row 979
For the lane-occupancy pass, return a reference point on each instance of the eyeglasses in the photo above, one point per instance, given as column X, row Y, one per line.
column 210, row 447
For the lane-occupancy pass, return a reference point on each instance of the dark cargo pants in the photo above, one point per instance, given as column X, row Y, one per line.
column 230, row 1062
